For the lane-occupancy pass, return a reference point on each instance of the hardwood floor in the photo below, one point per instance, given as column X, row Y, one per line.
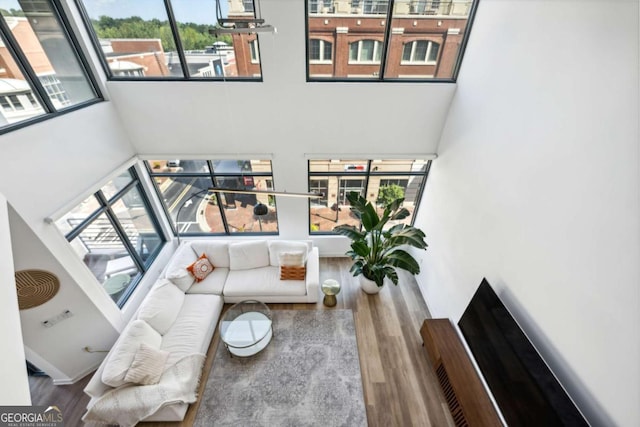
column 400, row 389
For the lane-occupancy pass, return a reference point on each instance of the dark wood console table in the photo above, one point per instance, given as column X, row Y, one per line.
column 468, row 401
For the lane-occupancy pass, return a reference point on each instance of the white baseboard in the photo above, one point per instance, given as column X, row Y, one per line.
column 75, row 379
column 421, row 286
column 333, row 255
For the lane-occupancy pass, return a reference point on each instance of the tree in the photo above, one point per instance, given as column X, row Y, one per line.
column 193, row 36
column 389, row 193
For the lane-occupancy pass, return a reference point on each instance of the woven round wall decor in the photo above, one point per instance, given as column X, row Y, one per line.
column 35, row 287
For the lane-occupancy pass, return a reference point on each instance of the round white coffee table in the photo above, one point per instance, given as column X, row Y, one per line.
column 246, row 328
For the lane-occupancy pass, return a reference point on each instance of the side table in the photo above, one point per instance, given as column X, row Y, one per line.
column 330, row 288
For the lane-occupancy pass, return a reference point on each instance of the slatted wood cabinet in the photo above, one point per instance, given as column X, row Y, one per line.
column 468, row 401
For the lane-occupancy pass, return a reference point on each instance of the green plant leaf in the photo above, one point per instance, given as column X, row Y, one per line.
column 361, row 248
column 395, row 205
column 357, row 203
column 402, row 259
column 400, row 214
column 407, row 236
column 391, row 273
column 364, row 210
column 356, row 268
column 375, row 251
column 350, row 231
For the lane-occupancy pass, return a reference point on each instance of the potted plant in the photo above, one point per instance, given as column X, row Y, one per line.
column 377, row 251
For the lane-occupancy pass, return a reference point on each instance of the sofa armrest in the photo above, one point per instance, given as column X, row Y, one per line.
column 312, row 279
column 95, row 387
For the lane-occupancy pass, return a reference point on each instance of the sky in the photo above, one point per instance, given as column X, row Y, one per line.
column 197, row 11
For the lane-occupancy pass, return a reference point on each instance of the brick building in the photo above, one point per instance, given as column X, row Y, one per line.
column 347, row 38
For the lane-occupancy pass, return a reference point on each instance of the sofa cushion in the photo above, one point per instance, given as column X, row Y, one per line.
column 217, row 251
column 161, row 307
column 248, row 255
column 123, row 352
column 177, row 268
column 188, row 333
column 201, row 268
column 212, row 284
column 147, row 366
column 263, row 281
column 276, row 247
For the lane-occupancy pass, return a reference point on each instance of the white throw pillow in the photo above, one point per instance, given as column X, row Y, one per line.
column 147, row 366
column 177, row 267
column 182, row 279
column 161, row 307
column 248, row 255
column 292, row 259
column 276, row 247
column 123, row 352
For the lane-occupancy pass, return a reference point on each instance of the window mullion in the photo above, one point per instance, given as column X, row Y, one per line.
column 176, row 38
column 421, row 190
column 147, row 204
column 115, row 223
column 77, row 230
column 65, row 27
column 124, row 238
column 121, row 193
column 25, row 67
column 218, row 198
column 387, row 38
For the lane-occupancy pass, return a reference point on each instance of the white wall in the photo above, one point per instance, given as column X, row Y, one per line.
column 12, row 363
column 61, row 345
column 283, row 115
column 536, row 188
column 47, row 167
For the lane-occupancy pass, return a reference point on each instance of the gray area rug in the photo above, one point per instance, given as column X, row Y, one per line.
column 309, row 375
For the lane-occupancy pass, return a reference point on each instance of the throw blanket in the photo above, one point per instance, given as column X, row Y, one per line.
column 131, row 403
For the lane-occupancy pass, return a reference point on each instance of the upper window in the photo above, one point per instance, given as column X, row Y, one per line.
column 382, row 40
column 116, row 234
column 420, row 52
column 255, row 53
column 41, row 70
column 162, row 39
column 365, row 51
column 380, row 181
column 320, row 51
column 182, row 186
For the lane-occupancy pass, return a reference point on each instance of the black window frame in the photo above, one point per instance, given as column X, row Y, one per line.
column 38, row 90
column 365, row 174
column 385, row 45
column 105, row 207
column 173, row 25
column 212, row 176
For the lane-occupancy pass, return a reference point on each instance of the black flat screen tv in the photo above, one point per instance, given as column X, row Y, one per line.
column 525, row 389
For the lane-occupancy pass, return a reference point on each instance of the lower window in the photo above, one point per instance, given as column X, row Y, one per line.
column 379, row 181
column 116, row 234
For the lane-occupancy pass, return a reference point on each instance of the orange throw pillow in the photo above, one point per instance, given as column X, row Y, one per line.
column 201, row 268
column 292, row 272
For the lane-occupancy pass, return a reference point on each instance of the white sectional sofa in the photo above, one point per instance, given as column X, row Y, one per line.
column 179, row 315
column 248, row 269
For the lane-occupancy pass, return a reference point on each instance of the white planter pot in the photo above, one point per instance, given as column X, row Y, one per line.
column 369, row 286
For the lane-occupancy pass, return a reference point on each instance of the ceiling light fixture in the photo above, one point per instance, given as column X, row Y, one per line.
column 310, row 195
column 241, row 24
column 243, row 30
